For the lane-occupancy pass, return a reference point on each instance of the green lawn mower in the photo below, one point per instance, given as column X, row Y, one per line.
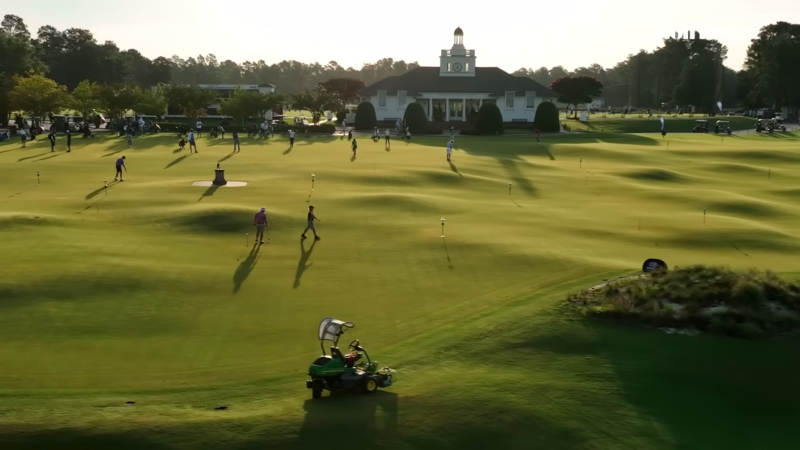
column 337, row 371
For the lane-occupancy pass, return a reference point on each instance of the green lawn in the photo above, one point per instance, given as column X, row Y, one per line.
column 152, row 293
column 633, row 123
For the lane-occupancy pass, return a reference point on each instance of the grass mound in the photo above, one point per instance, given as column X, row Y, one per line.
column 27, row 220
column 746, row 304
column 214, row 219
column 656, row 175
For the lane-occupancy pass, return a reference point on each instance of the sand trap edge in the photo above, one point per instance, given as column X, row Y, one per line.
column 210, row 183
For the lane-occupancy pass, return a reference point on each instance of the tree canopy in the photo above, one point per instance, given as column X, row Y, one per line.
column 191, row 99
column 248, row 104
column 573, row 90
column 38, row 95
column 489, row 119
column 546, row 119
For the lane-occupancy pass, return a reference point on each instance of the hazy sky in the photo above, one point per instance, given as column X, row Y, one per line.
column 509, row 34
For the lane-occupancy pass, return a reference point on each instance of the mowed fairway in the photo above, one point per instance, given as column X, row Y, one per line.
column 153, row 293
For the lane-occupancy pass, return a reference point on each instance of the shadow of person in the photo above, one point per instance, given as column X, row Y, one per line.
column 352, row 158
column 177, row 160
column 245, row 268
column 454, row 168
column 227, row 157
column 287, row 151
column 301, row 265
column 374, row 416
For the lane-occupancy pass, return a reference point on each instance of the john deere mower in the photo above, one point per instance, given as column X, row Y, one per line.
column 338, row 371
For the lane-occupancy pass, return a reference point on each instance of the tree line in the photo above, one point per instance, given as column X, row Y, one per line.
column 682, row 71
column 688, row 70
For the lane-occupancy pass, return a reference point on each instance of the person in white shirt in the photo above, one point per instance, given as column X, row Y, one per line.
column 397, row 126
column 24, row 136
column 199, row 125
column 141, row 125
column 375, row 134
column 344, row 127
column 387, row 134
column 221, row 131
column 291, row 138
column 449, row 149
column 408, row 133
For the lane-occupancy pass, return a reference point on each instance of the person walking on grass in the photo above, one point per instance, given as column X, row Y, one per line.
column 260, row 222
column 69, row 141
column 221, row 131
column 199, row 125
column 355, row 147
column 408, row 133
column 388, row 134
column 538, row 134
column 310, row 226
column 120, row 166
column 24, row 136
column 52, row 137
column 236, row 146
column 291, row 138
column 129, row 135
column 192, row 142
column 449, row 150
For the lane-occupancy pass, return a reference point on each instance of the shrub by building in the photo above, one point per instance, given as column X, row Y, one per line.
column 415, row 118
column 546, row 119
column 365, row 116
column 489, row 120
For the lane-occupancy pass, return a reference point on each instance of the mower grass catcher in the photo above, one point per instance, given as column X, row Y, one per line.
column 337, row 371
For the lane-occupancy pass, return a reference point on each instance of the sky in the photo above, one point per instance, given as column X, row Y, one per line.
column 509, row 34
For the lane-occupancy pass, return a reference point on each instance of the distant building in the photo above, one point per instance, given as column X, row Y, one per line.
column 225, row 91
column 456, row 89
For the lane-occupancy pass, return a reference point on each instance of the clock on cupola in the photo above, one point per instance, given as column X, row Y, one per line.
column 458, row 61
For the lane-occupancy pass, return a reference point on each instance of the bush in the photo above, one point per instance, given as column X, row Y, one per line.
column 546, row 119
column 717, row 300
column 416, row 119
column 489, row 120
column 365, row 116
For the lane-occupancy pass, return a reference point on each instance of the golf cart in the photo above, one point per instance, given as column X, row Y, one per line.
column 723, row 126
column 776, row 124
column 339, row 371
column 700, row 126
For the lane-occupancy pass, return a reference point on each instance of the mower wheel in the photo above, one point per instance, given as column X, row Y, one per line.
column 316, row 390
column 369, row 385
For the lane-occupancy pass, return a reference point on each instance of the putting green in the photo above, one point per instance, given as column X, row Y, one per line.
column 152, row 292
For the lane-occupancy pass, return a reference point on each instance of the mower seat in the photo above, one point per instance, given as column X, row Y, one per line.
column 349, row 359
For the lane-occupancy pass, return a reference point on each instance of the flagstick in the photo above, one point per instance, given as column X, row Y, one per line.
column 442, row 226
column 704, row 216
column 38, row 180
column 509, row 189
column 312, row 181
column 580, row 165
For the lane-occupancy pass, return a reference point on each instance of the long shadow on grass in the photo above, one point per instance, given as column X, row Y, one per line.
column 209, row 192
column 177, row 160
column 454, row 168
column 301, row 264
column 31, row 157
column 698, row 392
column 97, row 191
column 372, row 415
column 245, row 268
column 77, row 438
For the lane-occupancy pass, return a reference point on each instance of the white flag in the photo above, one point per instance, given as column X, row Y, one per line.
column 719, row 105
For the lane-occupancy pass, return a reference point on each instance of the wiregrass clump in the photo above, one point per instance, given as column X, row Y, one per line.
column 746, row 304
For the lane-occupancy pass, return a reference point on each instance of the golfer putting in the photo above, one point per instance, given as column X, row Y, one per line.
column 120, row 166
column 260, row 222
column 310, row 226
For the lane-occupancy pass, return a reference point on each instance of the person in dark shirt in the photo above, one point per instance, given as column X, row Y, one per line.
column 69, row 141
column 120, row 166
column 52, row 137
column 260, row 222
column 310, row 226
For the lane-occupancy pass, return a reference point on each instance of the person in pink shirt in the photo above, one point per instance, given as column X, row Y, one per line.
column 260, row 222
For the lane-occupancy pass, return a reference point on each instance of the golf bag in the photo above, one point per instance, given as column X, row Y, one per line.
column 213, row 133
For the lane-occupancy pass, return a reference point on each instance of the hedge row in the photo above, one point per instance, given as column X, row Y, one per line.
column 278, row 128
